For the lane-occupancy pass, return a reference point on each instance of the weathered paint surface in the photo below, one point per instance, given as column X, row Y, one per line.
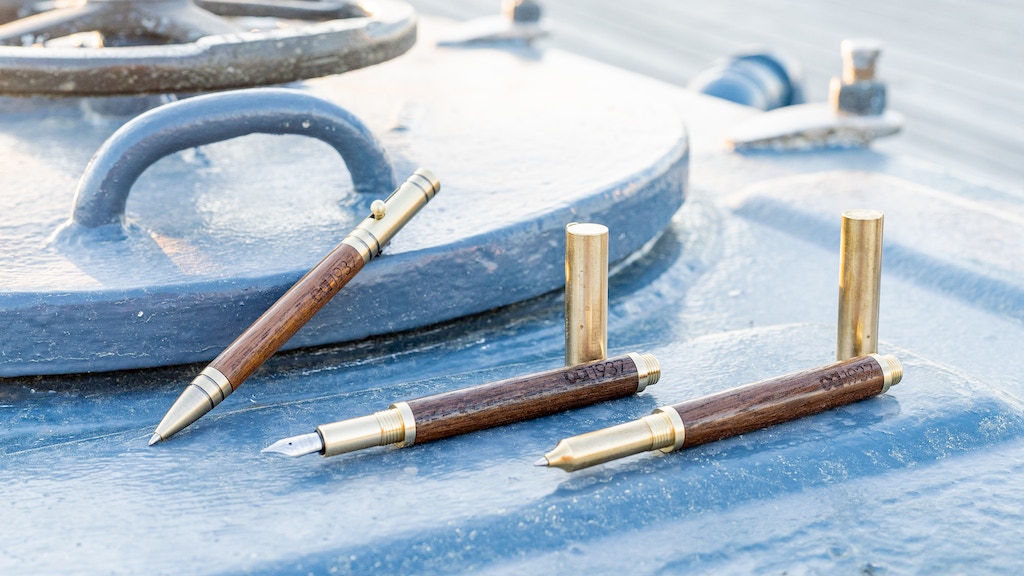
column 215, row 234
column 742, row 286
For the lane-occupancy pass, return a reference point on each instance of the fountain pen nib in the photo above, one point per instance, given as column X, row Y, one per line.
column 542, row 462
column 297, row 445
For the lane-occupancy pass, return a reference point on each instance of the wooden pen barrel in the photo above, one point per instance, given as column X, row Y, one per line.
column 284, row 318
column 769, row 402
column 516, row 399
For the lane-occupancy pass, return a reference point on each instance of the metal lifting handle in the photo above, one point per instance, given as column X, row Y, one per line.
column 103, row 189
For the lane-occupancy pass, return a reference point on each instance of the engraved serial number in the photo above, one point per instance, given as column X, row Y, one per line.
column 595, row 371
column 847, row 376
column 328, row 286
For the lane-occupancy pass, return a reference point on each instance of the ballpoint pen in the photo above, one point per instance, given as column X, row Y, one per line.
column 732, row 412
column 480, row 407
column 290, row 312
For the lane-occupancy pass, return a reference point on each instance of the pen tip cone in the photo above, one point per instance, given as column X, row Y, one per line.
column 542, row 462
column 154, row 439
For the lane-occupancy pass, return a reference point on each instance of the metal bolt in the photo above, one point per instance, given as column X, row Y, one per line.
column 859, row 57
column 858, row 92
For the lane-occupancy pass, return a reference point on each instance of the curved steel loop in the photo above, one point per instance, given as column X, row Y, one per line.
column 104, row 186
column 207, row 52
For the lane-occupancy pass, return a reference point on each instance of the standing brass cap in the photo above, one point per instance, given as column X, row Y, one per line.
column 860, row 282
column 586, row 293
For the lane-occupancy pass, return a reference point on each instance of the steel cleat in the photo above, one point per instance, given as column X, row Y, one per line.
column 854, row 116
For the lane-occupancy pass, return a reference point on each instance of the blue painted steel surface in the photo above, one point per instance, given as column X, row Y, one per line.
column 216, row 234
column 741, row 286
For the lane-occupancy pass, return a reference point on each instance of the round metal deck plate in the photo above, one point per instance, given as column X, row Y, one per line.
column 523, row 143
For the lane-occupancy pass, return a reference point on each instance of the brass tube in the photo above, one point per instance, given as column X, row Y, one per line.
column 586, row 293
column 860, row 278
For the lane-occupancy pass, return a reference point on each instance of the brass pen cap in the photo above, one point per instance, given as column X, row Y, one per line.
column 860, row 281
column 586, row 293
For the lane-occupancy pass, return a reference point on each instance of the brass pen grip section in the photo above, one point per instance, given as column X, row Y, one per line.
column 860, row 280
column 390, row 215
column 663, row 429
column 378, row 429
column 586, row 293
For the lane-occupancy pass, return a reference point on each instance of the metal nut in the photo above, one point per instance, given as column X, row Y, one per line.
column 862, row 98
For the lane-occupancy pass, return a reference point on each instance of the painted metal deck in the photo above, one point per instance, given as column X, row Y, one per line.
column 741, row 286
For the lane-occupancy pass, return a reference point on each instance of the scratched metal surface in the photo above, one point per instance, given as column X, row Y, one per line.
column 742, row 286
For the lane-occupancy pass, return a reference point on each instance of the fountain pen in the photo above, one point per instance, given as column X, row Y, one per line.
column 284, row 318
column 480, row 407
column 732, row 412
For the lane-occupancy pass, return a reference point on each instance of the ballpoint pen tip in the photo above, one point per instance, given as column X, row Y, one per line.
column 154, row 439
column 542, row 462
